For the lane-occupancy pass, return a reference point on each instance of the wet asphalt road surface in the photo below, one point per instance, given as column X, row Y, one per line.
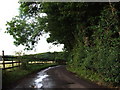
column 55, row 77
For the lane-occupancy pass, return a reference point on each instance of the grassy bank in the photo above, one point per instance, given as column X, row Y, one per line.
column 88, row 75
column 91, row 76
column 10, row 78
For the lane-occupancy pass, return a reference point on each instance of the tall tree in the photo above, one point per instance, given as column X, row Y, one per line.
column 64, row 21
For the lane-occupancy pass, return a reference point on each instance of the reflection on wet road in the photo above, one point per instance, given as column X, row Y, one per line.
column 41, row 80
column 55, row 77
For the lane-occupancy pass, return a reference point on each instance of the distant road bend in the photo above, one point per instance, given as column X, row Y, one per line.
column 55, row 77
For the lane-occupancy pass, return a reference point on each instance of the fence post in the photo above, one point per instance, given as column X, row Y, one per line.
column 18, row 58
column 3, row 60
column 12, row 64
column 19, row 63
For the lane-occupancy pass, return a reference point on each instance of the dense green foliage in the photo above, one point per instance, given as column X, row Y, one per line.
column 90, row 33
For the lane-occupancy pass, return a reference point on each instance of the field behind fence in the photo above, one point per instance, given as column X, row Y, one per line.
column 9, row 62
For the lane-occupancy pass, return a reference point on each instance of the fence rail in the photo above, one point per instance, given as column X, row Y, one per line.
column 9, row 62
column 9, row 67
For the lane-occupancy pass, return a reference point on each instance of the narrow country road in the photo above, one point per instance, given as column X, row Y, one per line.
column 54, row 77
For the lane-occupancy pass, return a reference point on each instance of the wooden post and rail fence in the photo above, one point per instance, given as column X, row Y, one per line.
column 9, row 60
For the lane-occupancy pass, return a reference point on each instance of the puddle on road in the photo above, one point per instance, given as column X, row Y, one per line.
column 38, row 82
column 43, row 79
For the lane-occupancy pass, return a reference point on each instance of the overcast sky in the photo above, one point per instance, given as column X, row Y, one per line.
column 9, row 9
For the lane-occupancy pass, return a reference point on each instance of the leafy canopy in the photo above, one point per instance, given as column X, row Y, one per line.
column 62, row 20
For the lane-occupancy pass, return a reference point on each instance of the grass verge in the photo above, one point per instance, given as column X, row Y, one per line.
column 91, row 76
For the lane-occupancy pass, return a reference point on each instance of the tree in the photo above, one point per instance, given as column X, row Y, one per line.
column 64, row 22
column 19, row 53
